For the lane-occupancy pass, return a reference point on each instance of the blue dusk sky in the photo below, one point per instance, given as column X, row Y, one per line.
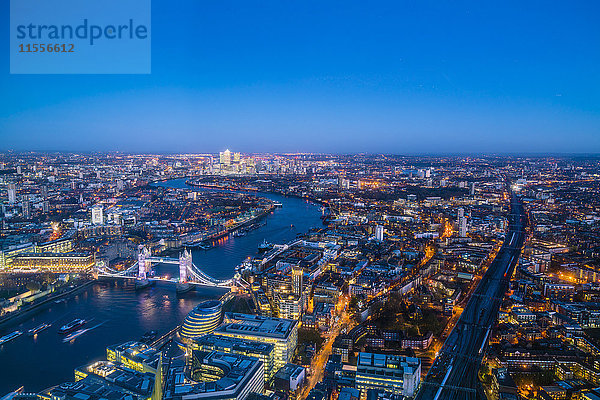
column 404, row 77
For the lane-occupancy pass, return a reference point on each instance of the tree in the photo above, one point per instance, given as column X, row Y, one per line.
column 33, row 286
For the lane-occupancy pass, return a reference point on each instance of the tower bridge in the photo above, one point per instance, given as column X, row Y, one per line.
column 189, row 273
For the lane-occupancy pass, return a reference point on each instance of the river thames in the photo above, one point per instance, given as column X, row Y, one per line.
column 122, row 314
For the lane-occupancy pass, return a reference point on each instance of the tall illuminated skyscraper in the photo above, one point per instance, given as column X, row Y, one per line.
column 12, row 193
column 379, row 233
column 462, row 223
column 225, row 158
column 297, row 280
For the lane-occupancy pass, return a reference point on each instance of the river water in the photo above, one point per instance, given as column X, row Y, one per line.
column 121, row 314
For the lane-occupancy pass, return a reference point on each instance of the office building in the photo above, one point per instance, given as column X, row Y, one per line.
column 134, row 355
column 462, row 223
column 297, row 280
column 105, row 375
column 379, row 233
column 214, row 376
column 119, row 385
column 290, row 377
column 391, row 373
column 12, row 193
column 421, row 342
column 202, row 320
column 225, row 158
column 503, row 386
column 263, row 351
column 289, row 306
column 283, row 333
column 97, row 215
column 342, row 346
column 593, row 395
column 348, row 393
column 54, row 262
column 287, row 293
column 462, row 227
column 62, row 245
column 26, row 208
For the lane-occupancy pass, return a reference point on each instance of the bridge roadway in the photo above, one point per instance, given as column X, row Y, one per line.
column 172, row 280
column 197, row 276
column 453, row 374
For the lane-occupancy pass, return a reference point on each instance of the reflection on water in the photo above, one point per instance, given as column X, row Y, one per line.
column 121, row 313
column 44, row 360
column 295, row 217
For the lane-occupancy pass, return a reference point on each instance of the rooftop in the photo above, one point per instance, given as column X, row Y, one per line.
column 256, row 325
column 370, row 362
column 220, row 343
column 236, row 372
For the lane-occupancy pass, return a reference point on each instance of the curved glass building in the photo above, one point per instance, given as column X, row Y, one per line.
column 203, row 319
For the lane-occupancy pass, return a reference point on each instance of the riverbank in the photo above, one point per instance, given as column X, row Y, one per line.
column 126, row 314
column 251, row 189
column 252, row 220
column 227, row 230
column 22, row 315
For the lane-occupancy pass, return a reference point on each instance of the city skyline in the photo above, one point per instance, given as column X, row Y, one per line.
column 395, row 78
column 299, row 276
column 299, row 200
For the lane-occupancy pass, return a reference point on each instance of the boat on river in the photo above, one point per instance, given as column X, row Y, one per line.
column 71, row 326
column 10, row 336
column 38, row 329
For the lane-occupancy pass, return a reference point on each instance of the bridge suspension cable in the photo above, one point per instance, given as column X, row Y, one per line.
column 198, row 276
column 207, row 279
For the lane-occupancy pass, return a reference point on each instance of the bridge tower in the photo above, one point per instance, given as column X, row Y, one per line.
column 185, row 264
column 143, row 264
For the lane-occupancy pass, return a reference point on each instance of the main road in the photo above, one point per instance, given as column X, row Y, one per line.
column 454, row 372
